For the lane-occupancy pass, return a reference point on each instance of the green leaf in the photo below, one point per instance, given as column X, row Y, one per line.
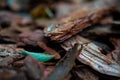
column 42, row 57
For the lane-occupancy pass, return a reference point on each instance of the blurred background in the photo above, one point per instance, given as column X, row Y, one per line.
column 17, row 16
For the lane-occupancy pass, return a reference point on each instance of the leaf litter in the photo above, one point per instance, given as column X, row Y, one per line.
column 59, row 39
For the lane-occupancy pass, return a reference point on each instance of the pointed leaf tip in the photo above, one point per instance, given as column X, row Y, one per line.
column 42, row 57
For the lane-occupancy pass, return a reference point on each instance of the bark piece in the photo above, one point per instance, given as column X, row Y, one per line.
column 33, row 69
column 65, row 65
column 71, row 25
column 91, row 55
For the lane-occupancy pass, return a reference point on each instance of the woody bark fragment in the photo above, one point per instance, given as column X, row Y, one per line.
column 92, row 56
column 75, row 23
column 65, row 65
